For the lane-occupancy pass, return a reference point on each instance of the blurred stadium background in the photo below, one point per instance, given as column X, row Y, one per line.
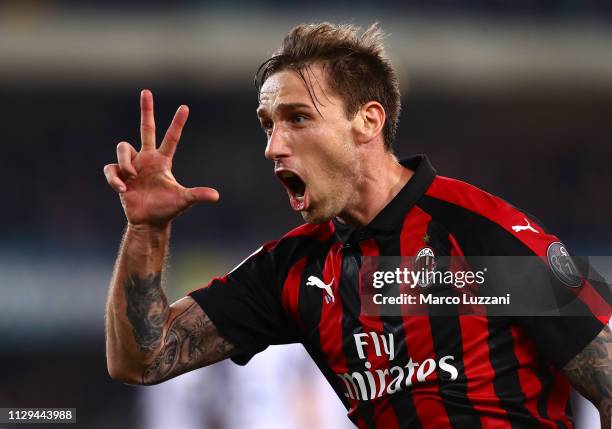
column 513, row 96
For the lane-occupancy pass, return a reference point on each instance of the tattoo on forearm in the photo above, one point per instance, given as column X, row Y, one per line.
column 590, row 372
column 147, row 309
column 192, row 341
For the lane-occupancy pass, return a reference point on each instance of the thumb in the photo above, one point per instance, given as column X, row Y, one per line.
column 201, row 195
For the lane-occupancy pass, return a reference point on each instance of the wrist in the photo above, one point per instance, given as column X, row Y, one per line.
column 146, row 246
column 147, row 238
column 143, row 228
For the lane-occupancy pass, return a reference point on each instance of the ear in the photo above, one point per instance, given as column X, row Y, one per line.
column 369, row 121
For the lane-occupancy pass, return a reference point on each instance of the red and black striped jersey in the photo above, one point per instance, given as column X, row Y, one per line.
column 461, row 371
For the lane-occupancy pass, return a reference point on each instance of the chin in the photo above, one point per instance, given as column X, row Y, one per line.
column 318, row 213
column 312, row 216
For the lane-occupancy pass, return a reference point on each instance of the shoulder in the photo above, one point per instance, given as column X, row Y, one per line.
column 304, row 236
column 484, row 222
column 304, row 240
column 462, row 196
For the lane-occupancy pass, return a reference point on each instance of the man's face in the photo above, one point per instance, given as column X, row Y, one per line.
column 314, row 153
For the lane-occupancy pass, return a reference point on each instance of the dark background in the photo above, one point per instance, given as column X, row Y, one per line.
column 512, row 96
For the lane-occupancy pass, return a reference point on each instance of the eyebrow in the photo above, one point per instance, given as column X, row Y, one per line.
column 283, row 107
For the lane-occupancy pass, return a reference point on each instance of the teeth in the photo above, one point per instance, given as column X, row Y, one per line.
column 300, row 198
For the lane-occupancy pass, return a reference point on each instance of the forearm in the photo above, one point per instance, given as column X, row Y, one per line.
column 137, row 307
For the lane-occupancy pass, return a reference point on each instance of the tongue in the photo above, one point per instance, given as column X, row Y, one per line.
column 298, row 204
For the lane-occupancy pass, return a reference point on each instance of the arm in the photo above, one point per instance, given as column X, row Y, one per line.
column 148, row 341
column 192, row 341
column 590, row 373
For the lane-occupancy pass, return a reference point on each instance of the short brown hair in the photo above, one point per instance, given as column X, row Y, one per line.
column 357, row 68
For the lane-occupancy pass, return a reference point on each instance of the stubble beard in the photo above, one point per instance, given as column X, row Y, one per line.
column 343, row 183
column 336, row 201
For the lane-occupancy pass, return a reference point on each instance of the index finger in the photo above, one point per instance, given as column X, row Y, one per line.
column 147, row 120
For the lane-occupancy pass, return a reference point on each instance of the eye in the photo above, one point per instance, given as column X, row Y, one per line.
column 298, row 119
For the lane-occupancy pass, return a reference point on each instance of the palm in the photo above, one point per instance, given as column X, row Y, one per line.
column 149, row 192
column 153, row 195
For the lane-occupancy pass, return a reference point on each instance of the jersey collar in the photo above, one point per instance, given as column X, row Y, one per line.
column 392, row 215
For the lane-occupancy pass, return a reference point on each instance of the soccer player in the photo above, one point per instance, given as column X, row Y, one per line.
column 329, row 104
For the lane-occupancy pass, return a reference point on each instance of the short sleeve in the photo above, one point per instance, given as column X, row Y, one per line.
column 584, row 309
column 245, row 306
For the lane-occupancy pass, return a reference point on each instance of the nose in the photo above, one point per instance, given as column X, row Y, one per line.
column 277, row 146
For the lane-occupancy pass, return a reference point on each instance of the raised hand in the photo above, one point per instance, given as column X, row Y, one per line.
column 149, row 193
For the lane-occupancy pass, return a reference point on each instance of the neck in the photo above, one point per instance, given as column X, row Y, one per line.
column 381, row 180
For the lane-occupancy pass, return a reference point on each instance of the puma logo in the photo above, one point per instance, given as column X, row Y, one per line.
column 315, row 281
column 519, row 228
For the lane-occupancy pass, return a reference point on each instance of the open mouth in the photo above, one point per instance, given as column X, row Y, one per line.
column 296, row 188
column 293, row 183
